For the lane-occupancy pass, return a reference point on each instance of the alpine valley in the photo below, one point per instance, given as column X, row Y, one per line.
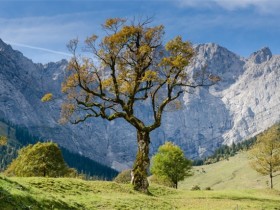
column 244, row 103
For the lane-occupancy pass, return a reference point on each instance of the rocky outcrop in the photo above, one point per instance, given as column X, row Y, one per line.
column 245, row 102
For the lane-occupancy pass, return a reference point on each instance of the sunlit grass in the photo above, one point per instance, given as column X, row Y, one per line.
column 65, row 193
column 234, row 173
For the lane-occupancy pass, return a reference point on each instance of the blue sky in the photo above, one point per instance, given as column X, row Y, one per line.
column 41, row 29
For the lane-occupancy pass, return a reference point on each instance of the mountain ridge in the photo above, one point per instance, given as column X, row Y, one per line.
column 241, row 105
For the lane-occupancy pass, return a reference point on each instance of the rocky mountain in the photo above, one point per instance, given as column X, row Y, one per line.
column 245, row 102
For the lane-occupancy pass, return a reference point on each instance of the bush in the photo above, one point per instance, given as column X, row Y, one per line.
column 72, row 173
column 195, row 187
column 161, row 181
column 208, row 188
column 40, row 159
column 124, row 177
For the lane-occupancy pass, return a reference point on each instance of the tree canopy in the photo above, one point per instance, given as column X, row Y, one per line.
column 132, row 67
column 40, row 159
column 129, row 67
column 170, row 162
column 265, row 155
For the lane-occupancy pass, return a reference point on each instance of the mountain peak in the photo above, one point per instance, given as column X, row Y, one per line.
column 7, row 50
column 210, row 45
column 4, row 44
column 210, row 50
column 261, row 55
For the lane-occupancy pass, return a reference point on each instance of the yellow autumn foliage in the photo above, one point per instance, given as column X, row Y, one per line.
column 149, row 76
column 47, row 97
column 113, row 21
column 3, row 140
column 71, row 82
column 67, row 110
column 265, row 154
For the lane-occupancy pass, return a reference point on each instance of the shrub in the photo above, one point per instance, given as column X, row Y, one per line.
column 72, row 173
column 208, row 188
column 124, row 177
column 161, row 181
column 40, row 159
column 195, row 187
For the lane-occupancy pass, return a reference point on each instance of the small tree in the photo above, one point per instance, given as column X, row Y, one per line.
column 265, row 154
column 40, row 159
column 170, row 162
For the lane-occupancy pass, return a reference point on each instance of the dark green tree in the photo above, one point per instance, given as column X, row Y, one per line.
column 41, row 159
column 170, row 162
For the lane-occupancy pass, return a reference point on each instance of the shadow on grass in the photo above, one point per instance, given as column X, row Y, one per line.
column 25, row 201
column 14, row 183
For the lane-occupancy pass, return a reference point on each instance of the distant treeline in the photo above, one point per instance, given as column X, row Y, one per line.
column 84, row 165
column 225, row 151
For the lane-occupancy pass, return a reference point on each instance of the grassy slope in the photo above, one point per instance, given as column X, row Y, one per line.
column 62, row 193
column 235, row 185
column 234, row 173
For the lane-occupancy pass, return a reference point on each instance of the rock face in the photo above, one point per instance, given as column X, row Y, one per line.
column 244, row 103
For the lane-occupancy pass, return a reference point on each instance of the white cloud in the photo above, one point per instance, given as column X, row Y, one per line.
column 46, row 35
column 262, row 6
column 38, row 48
column 38, row 30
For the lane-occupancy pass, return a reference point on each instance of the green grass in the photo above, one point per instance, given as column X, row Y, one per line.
column 234, row 173
column 235, row 186
column 65, row 193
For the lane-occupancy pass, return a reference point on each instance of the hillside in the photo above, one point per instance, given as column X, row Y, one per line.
column 234, row 173
column 67, row 194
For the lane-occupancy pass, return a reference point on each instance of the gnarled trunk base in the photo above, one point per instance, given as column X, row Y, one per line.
column 141, row 165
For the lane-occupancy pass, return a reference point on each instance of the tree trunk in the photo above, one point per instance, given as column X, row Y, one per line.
column 142, row 162
column 271, row 183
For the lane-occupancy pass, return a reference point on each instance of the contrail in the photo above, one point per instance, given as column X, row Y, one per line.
column 38, row 48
